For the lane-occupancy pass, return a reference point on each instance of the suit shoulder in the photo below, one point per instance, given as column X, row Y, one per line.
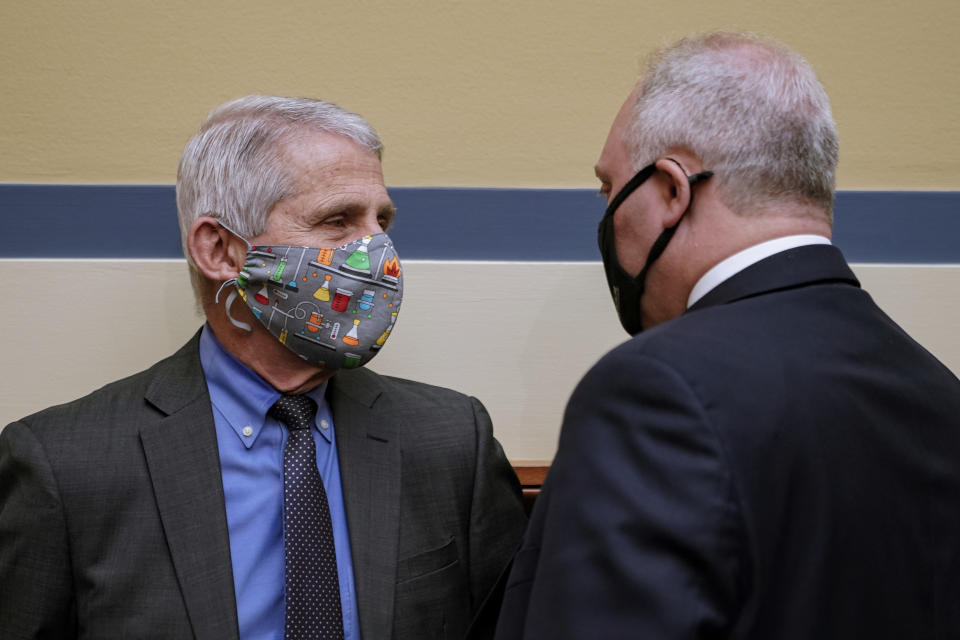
column 661, row 343
column 426, row 412
column 404, row 389
column 688, row 343
column 427, row 392
column 121, row 398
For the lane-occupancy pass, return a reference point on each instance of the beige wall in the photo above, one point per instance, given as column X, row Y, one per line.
column 101, row 320
column 465, row 93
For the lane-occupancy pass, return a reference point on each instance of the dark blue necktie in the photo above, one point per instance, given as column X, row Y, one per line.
column 312, row 586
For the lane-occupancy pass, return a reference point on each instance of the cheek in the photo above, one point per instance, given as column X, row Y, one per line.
column 282, row 226
column 330, row 236
column 326, row 237
column 630, row 238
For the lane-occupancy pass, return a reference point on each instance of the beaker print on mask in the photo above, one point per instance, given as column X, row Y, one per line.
column 324, row 304
column 341, row 299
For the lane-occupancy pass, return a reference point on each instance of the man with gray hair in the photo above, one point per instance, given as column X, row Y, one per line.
column 260, row 483
column 770, row 456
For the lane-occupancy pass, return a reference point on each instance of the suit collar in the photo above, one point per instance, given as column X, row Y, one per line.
column 368, row 444
column 360, row 385
column 730, row 266
column 178, row 380
column 789, row 269
column 184, row 465
column 362, row 388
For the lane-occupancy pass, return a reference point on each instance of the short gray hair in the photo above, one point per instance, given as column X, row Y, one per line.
column 752, row 110
column 234, row 169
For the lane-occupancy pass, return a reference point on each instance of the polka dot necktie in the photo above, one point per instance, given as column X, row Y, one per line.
column 312, row 587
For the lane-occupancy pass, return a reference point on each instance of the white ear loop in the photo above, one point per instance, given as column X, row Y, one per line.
column 232, row 281
column 230, row 299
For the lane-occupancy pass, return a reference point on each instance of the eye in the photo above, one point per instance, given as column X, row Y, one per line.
column 385, row 218
column 337, row 220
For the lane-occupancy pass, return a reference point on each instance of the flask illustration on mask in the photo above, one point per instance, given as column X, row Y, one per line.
column 323, row 293
column 307, row 296
column 358, row 262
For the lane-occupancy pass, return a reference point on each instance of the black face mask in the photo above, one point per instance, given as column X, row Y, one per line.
column 625, row 289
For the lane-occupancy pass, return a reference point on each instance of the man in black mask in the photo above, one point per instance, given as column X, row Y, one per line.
column 770, row 456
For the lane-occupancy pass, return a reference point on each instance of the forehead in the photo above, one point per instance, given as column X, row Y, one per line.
column 322, row 158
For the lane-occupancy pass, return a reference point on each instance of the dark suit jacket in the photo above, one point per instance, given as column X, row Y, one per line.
column 781, row 462
column 112, row 519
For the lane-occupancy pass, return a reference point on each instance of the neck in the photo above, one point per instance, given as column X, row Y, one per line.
column 703, row 241
column 737, row 233
column 260, row 351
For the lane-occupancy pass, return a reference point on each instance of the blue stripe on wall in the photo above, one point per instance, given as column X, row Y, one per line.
column 118, row 221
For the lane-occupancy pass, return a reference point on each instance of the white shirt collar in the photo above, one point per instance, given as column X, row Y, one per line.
column 743, row 259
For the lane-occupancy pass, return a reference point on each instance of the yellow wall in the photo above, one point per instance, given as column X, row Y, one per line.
column 509, row 94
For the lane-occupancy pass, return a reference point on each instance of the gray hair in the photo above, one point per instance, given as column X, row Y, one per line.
column 234, row 169
column 752, row 110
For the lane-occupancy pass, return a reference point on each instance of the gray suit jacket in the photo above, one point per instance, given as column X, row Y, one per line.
column 112, row 518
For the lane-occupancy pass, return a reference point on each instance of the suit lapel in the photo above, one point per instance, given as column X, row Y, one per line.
column 789, row 269
column 368, row 446
column 184, row 464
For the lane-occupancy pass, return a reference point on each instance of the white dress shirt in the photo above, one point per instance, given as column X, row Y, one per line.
column 743, row 259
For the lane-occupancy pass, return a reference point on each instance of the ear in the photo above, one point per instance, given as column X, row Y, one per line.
column 218, row 254
column 675, row 190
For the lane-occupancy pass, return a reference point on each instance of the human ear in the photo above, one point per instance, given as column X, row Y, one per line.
column 676, row 191
column 218, row 254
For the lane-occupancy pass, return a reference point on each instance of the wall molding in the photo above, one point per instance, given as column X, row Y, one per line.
column 437, row 223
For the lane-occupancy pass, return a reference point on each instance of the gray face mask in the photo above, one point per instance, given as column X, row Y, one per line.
column 335, row 306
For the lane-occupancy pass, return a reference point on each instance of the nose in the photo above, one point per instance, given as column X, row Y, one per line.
column 371, row 224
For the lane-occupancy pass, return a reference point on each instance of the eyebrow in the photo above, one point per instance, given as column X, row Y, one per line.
column 344, row 202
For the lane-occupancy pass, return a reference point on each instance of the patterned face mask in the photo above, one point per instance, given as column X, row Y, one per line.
column 333, row 306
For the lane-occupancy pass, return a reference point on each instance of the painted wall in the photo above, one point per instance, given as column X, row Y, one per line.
column 519, row 352
column 494, row 94
column 498, row 93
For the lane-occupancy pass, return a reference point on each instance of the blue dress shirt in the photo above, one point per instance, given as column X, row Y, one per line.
column 251, row 461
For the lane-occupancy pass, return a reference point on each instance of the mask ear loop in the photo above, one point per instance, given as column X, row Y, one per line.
column 232, row 282
column 230, row 298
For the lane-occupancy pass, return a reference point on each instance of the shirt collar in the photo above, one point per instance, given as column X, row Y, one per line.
column 743, row 259
column 242, row 396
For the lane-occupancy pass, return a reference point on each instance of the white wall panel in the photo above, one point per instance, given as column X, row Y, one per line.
column 516, row 335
